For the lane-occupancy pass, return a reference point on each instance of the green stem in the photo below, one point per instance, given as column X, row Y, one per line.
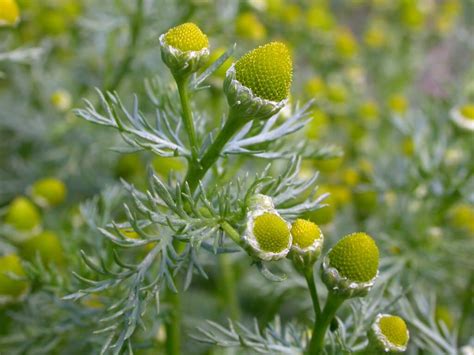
column 197, row 172
column 182, row 83
column 316, row 345
column 136, row 23
column 173, row 331
column 227, row 286
column 309, row 275
column 231, row 232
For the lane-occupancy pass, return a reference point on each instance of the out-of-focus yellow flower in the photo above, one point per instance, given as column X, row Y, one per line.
column 351, row 177
column 369, row 110
column 318, row 125
column 46, row 246
column 319, row 17
column 247, row 25
column 328, row 165
column 23, row 215
column 315, row 86
column 408, row 146
column 398, row 104
column 345, row 43
column 290, row 14
column 9, row 13
column 447, row 15
column 463, row 116
column 274, row 7
column 462, row 216
column 11, row 289
column 411, row 15
column 341, row 195
column 53, row 22
column 61, row 100
column 375, row 36
column 336, row 93
column 48, row 192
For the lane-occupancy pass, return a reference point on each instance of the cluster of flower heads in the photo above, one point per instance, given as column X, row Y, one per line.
column 24, row 219
column 257, row 86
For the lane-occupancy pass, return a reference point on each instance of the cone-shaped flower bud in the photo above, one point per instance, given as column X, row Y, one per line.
column 184, row 49
column 9, row 13
column 388, row 334
column 12, row 289
column 267, row 235
column 463, row 117
column 351, row 266
column 258, row 84
column 307, row 243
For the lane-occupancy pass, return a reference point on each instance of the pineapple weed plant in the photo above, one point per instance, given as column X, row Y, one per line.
column 131, row 282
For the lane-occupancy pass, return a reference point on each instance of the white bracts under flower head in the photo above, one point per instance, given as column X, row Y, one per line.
column 307, row 244
column 341, row 285
column 242, row 100
column 388, row 334
column 267, row 235
column 461, row 117
column 182, row 62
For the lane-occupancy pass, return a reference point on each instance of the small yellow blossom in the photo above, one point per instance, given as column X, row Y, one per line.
column 9, row 13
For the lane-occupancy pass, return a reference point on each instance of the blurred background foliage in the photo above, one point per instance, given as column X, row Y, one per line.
column 387, row 78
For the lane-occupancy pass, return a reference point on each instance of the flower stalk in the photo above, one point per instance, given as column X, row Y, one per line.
column 316, row 345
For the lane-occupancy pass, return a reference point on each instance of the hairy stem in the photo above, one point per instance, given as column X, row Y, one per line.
column 309, row 275
column 316, row 345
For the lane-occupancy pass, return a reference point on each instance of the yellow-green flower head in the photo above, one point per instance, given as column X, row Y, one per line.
column 258, row 85
column 46, row 246
column 307, row 243
column 389, row 334
column 9, row 13
column 271, row 232
column 23, row 215
column 398, row 104
column 305, row 233
column 351, row 266
column 187, row 37
column 61, row 100
column 267, row 235
column 12, row 289
column 463, row 116
column 184, row 49
column 267, row 71
column 356, row 257
column 48, row 192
